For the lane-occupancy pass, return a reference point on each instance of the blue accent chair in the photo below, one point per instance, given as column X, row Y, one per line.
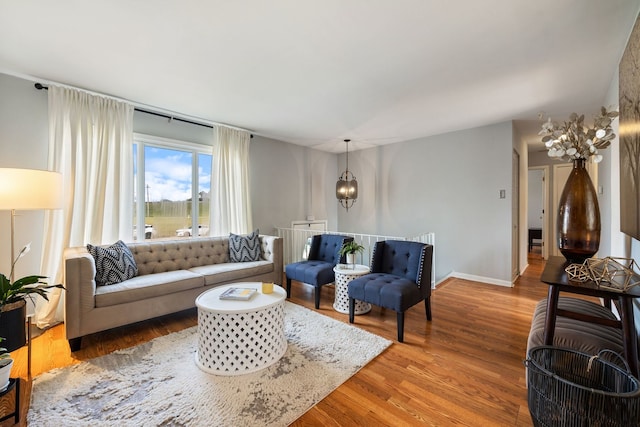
column 317, row 270
column 400, row 278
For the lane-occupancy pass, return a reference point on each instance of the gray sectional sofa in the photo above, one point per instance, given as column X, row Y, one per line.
column 171, row 274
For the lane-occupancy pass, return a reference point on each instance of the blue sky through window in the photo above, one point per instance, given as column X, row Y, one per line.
column 168, row 173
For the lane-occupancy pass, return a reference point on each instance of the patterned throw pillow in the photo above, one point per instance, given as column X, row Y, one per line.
column 244, row 248
column 114, row 264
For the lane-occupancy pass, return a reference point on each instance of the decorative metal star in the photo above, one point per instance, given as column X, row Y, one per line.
column 614, row 273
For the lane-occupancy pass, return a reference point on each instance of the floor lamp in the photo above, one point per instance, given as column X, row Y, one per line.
column 28, row 189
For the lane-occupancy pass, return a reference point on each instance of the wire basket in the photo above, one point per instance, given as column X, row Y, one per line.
column 569, row 388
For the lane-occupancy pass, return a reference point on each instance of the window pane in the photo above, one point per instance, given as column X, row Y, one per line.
column 204, row 191
column 168, row 186
column 135, row 190
column 167, row 195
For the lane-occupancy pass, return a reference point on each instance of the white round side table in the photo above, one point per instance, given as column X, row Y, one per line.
column 238, row 337
column 344, row 275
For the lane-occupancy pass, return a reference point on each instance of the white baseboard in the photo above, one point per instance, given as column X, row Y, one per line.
column 474, row 278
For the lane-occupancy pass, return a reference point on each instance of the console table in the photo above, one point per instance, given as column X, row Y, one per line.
column 534, row 233
column 555, row 276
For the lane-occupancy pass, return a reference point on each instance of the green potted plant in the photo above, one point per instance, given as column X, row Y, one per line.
column 13, row 302
column 350, row 249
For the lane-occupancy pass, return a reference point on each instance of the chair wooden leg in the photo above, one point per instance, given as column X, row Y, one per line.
column 400, row 317
column 427, row 306
column 317, row 295
column 352, row 309
column 288, row 288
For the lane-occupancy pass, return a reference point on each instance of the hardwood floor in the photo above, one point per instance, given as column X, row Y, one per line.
column 463, row 368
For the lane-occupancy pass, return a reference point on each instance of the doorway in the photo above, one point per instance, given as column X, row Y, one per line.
column 515, row 215
column 537, row 209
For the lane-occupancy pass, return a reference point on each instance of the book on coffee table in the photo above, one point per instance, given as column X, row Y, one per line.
column 242, row 294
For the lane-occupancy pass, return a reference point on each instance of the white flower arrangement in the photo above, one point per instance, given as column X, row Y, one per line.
column 572, row 140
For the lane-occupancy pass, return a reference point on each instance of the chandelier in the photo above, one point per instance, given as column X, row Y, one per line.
column 347, row 186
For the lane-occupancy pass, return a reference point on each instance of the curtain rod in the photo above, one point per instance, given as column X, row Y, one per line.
column 40, row 86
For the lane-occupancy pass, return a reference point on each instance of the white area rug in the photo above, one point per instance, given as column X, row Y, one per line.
column 159, row 384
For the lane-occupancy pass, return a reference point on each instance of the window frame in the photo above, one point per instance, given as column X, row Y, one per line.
column 140, row 141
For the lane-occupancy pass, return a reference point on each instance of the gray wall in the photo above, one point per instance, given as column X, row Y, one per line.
column 288, row 182
column 291, row 182
column 23, row 144
column 150, row 124
column 448, row 184
column 612, row 240
column 535, row 205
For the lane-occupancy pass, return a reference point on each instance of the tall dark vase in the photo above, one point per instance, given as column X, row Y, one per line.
column 578, row 216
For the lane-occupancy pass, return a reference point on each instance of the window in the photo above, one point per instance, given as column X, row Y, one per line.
column 171, row 197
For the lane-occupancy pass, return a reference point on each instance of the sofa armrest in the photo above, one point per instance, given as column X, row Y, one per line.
column 80, row 288
column 272, row 251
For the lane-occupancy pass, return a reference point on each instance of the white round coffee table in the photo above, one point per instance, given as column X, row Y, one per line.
column 345, row 274
column 238, row 337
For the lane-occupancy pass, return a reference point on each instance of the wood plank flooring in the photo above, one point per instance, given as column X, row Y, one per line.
column 463, row 368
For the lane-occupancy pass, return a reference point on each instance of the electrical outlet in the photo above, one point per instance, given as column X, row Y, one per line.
column 503, row 194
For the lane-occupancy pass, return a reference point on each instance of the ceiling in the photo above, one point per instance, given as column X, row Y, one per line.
column 318, row 71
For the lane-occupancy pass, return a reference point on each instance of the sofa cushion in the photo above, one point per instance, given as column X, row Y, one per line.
column 311, row 272
column 374, row 288
column 148, row 286
column 114, row 264
column 399, row 258
column 220, row 273
column 244, row 248
column 170, row 255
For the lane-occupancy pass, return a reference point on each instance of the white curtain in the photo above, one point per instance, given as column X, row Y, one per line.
column 230, row 202
column 90, row 143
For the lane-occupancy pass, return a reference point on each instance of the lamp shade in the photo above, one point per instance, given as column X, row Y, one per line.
column 27, row 189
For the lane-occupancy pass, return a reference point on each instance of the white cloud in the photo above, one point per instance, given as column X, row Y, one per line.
column 168, row 174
